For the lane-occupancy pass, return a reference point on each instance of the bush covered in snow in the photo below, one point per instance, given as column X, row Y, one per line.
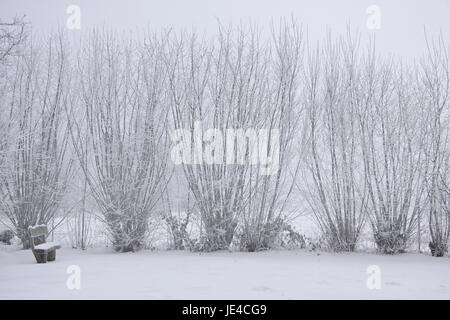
column 6, row 236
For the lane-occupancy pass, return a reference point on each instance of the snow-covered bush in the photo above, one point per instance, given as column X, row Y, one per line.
column 275, row 235
column 313, row 244
column 177, row 224
column 292, row 239
column 251, row 238
column 6, row 236
column 390, row 241
column 178, row 231
column 438, row 250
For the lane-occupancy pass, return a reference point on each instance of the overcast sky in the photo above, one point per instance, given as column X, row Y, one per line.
column 401, row 22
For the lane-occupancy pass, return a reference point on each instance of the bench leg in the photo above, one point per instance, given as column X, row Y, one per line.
column 51, row 255
column 41, row 257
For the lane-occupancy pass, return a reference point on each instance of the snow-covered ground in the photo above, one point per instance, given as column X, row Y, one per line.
column 222, row 275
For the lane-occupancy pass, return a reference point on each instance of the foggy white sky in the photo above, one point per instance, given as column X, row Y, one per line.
column 401, row 32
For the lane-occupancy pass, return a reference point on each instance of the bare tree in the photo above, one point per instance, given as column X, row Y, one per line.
column 435, row 78
column 391, row 142
column 202, row 95
column 228, row 99
column 266, row 214
column 334, row 183
column 38, row 169
column 122, row 94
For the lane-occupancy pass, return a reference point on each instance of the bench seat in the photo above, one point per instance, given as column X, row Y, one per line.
column 47, row 246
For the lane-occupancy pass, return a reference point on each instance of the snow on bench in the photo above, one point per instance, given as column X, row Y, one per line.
column 47, row 246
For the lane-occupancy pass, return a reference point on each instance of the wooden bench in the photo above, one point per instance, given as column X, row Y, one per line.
column 43, row 251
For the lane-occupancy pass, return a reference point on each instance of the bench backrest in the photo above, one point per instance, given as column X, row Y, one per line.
column 37, row 235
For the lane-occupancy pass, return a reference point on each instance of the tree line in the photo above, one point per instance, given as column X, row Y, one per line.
column 362, row 139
